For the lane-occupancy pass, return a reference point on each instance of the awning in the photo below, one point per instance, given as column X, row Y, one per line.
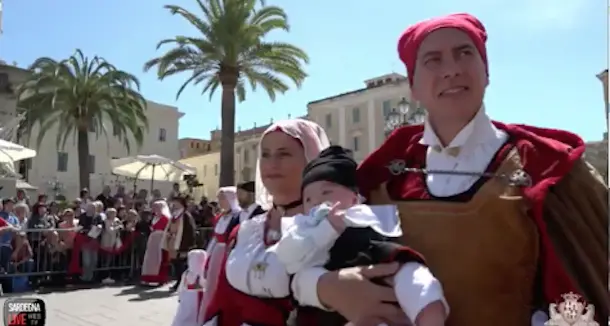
column 24, row 185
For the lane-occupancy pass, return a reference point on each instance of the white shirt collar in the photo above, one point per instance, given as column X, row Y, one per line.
column 479, row 130
column 177, row 213
column 247, row 212
column 251, row 208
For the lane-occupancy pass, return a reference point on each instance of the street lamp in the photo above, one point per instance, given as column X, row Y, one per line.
column 405, row 115
column 56, row 186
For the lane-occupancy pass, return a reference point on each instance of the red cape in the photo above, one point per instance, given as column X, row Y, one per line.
column 547, row 155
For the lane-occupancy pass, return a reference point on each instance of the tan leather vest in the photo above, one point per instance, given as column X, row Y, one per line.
column 484, row 251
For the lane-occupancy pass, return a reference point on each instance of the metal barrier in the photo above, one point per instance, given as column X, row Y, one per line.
column 51, row 254
column 41, row 253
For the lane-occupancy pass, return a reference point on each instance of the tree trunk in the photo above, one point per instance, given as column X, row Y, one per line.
column 227, row 139
column 83, row 158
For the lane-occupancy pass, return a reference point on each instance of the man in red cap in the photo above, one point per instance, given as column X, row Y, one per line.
column 508, row 217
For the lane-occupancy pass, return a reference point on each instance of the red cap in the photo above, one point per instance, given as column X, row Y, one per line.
column 411, row 39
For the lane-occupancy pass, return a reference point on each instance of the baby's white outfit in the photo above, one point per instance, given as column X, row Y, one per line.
column 311, row 237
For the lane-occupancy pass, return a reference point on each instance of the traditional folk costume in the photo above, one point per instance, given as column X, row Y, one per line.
column 224, row 223
column 180, row 237
column 155, row 266
column 370, row 238
column 253, row 209
column 509, row 217
column 254, row 287
column 190, row 295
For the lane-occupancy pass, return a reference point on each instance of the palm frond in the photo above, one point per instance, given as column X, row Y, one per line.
column 231, row 51
column 232, row 34
column 81, row 92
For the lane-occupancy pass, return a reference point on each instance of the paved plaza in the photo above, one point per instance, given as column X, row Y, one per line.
column 109, row 306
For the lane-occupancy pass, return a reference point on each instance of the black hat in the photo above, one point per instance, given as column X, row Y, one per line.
column 182, row 199
column 246, row 186
column 334, row 164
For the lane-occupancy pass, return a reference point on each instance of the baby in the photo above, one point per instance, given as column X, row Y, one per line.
column 337, row 232
column 191, row 290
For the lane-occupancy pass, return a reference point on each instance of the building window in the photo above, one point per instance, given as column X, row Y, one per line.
column 162, row 134
column 356, row 143
column 387, row 108
column 246, row 156
column 215, row 169
column 356, row 115
column 329, row 120
column 62, row 162
column 198, row 145
column 192, row 145
column 24, row 167
column 91, row 164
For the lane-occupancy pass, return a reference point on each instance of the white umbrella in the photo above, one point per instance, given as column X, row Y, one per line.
column 11, row 152
column 151, row 167
column 24, row 185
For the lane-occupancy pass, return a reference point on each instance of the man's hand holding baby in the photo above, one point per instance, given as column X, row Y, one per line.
column 336, row 218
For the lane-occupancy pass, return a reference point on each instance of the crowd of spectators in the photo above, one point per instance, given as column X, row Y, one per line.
column 37, row 239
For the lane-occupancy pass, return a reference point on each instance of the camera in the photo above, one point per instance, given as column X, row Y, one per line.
column 191, row 181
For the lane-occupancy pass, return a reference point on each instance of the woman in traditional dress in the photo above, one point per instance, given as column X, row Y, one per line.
column 155, row 267
column 253, row 286
column 190, row 290
column 227, row 219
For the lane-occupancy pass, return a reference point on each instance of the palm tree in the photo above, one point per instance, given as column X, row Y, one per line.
column 231, row 51
column 79, row 95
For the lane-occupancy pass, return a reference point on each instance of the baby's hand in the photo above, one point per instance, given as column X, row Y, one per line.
column 337, row 218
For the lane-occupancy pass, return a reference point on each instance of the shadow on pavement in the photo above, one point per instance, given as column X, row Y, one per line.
column 151, row 295
column 136, row 289
column 76, row 287
column 67, row 288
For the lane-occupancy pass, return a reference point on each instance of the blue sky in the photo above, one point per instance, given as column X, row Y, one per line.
column 544, row 54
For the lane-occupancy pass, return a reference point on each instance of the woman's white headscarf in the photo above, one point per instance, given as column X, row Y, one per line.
column 230, row 194
column 312, row 137
column 196, row 265
column 164, row 208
